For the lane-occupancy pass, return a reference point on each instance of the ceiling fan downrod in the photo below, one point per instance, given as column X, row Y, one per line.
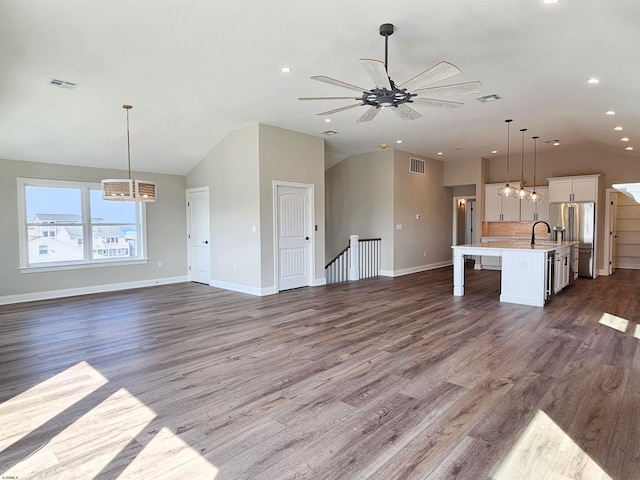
column 386, row 29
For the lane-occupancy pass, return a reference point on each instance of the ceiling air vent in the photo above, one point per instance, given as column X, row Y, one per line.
column 489, row 98
column 416, row 166
column 62, row 84
column 330, row 132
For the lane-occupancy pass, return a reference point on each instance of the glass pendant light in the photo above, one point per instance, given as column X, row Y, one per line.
column 523, row 193
column 507, row 190
column 535, row 196
column 127, row 189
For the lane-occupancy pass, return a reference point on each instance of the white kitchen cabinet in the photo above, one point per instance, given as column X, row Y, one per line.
column 497, row 208
column 529, row 209
column 583, row 188
column 562, row 268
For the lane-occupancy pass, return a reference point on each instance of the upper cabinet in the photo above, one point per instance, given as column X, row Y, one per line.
column 583, row 188
column 497, row 208
column 530, row 211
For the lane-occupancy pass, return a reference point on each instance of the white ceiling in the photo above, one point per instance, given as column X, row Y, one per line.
column 196, row 70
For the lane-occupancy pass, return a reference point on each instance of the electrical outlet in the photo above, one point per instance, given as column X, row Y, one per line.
column 160, row 263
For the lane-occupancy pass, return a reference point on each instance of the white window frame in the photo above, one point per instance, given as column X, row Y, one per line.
column 87, row 261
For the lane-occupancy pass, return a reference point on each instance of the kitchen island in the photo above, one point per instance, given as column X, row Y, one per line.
column 527, row 270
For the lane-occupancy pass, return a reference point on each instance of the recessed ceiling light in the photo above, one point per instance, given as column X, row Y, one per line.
column 285, row 69
column 398, row 141
column 440, row 153
column 618, row 128
column 624, row 139
column 629, row 148
column 550, row 2
column 494, row 151
column 593, row 81
column 327, row 120
column 609, row 112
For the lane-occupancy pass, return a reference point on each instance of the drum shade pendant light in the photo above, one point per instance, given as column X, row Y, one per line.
column 128, row 190
column 507, row 190
column 535, row 196
column 523, row 193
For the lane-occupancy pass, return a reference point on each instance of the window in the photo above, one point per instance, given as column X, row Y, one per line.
column 68, row 224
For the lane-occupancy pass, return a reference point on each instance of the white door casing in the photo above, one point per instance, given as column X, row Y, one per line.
column 198, row 233
column 293, row 229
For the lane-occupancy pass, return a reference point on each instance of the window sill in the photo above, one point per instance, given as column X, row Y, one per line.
column 79, row 266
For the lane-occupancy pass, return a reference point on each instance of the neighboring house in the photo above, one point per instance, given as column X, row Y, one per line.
column 54, row 238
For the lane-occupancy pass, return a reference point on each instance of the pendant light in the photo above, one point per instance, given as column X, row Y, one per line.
column 507, row 190
column 535, row 196
column 128, row 190
column 523, row 193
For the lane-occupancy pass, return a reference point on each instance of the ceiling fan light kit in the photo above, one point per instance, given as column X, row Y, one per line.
column 128, row 189
column 386, row 94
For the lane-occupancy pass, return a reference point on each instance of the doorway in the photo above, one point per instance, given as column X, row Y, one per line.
column 293, row 239
column 198, row 235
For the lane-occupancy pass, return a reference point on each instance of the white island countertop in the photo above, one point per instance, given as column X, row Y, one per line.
column 526, row 271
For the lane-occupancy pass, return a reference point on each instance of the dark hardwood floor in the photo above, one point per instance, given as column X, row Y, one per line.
column 383, row 378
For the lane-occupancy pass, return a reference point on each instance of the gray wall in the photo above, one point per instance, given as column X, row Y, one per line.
column 166, row 227
column 240, row 172
column 370, row 194
column 359, row 193
column 231, row 171
column 424, row 242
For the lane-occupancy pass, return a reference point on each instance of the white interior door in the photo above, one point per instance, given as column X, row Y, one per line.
column 613, row 236
column 293, row 237
column 198, row 232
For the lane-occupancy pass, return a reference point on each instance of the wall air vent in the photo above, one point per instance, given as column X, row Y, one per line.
column 62, row 84
column 489, row 98
column 416, row 166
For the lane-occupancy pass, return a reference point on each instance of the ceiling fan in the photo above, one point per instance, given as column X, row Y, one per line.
column 386, row 94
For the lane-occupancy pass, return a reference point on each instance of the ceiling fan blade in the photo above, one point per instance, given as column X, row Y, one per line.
column 436, row 73
column 453, row 89
column 328, row 98
column 405, row 112
column 338, row 83
column 430, row 102
column 329, row 112
column 369, row 115
column 377, row 72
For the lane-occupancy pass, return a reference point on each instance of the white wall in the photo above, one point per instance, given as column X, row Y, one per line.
column 166, row 227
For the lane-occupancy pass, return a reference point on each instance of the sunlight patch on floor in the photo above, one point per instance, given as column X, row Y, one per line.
column 545, row 452
column 82, row 448
column 33, row 408
column 636, row 332
column 614, row 322
column 168, row 456
column 99, row 434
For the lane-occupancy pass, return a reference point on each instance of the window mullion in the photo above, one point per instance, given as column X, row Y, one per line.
column 87, row 233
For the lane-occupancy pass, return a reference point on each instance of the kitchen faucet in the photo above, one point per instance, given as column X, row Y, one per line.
column 533, row 231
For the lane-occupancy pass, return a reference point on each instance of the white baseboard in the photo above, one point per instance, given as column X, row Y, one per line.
column 319, row 282
column 71, row 292
column 237, row 287
column 421, row 268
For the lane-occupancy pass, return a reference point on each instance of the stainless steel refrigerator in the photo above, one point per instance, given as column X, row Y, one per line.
column 578, row 219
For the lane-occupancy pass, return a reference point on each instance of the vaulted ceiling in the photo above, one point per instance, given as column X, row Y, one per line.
column 196, row 70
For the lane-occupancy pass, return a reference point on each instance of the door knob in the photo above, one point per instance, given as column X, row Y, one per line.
column 306, row 238
column 206, row 242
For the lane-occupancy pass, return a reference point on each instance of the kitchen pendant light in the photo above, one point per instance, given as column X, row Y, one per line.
column 535, row 196
column 523, row 193
column 129, row 190
column 507, row 190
